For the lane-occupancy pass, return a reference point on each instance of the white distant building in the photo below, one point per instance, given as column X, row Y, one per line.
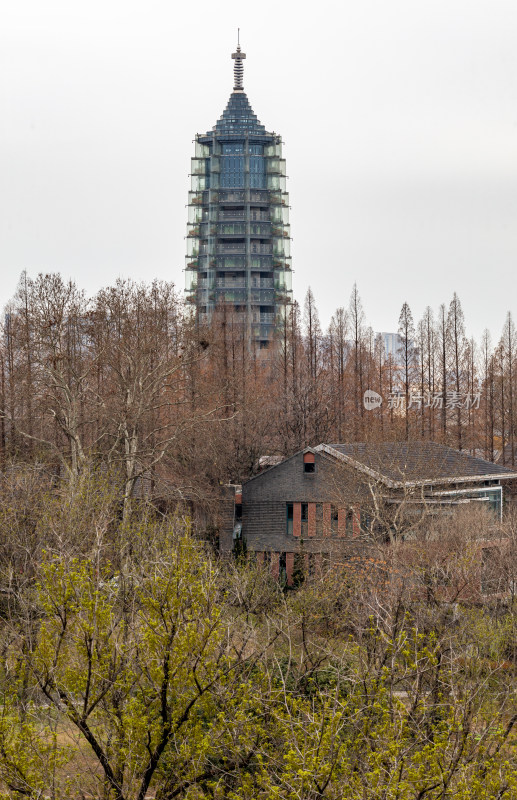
column 392, row 345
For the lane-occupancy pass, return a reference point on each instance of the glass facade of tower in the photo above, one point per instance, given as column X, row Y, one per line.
column 238, row 235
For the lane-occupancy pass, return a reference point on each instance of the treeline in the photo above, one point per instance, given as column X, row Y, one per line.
column 127, row 381
column 435, row 383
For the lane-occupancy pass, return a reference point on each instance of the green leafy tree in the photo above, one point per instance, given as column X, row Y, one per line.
column 170, row 676
column 140, row 664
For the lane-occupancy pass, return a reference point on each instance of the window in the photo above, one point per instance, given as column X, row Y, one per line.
column 289, row 519
column 309, row 464
column 311, row 564
column 282, row 569
column 257, row 172
column 334, row 520
column 232, row 172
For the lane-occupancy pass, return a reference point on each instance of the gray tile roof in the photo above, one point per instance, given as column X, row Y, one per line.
column 399, row 462
column 239, row 117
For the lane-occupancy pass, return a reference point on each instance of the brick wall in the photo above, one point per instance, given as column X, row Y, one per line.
column 265, row 499
column 227, row 519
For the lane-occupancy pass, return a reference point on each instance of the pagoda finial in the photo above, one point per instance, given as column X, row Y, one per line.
column 238, row 67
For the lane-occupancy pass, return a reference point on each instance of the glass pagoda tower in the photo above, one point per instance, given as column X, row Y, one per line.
column 238, row 234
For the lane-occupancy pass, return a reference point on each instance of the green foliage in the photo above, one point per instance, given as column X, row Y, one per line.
column 167, row 674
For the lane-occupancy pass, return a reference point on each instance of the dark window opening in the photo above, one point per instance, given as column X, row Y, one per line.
column 282, row 569
column 311, row 564
column 309, row 462
column 238, row 510
column 289, row 527
column 334, row 519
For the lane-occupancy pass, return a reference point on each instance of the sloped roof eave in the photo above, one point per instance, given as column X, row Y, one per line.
column 275, row 466
column 396, row 484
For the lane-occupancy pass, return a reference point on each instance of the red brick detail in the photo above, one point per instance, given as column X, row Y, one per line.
column 275, row 565
column 341, row 521
column 311, row 528
column 238, row 497
column 289, row 567
column 327, row 531
column 260, row 557
column 308, row 458
column 297, row 519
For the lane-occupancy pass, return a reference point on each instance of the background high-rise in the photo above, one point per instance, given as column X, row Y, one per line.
column 238, row 239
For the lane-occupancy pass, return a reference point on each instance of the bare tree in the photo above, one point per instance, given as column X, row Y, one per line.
column 456, row 327
column 55, row 329
column 408, row 354
column 356, row 316
column 489, row 391
column 507, row 348
column 428, row 360
column 145, row 398
column 443, row 342
column 338, row 333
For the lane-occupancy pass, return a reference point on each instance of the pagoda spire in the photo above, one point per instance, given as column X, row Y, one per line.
column 238, row 67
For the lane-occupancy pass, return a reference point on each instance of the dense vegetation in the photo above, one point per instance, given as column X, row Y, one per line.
column 136, row 664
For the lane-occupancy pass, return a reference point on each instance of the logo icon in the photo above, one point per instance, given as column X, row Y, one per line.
column 371, row 400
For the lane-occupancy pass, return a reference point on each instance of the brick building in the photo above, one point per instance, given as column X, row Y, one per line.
column 329, row 502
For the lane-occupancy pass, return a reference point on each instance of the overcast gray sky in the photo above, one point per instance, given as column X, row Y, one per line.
column 399, row 119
